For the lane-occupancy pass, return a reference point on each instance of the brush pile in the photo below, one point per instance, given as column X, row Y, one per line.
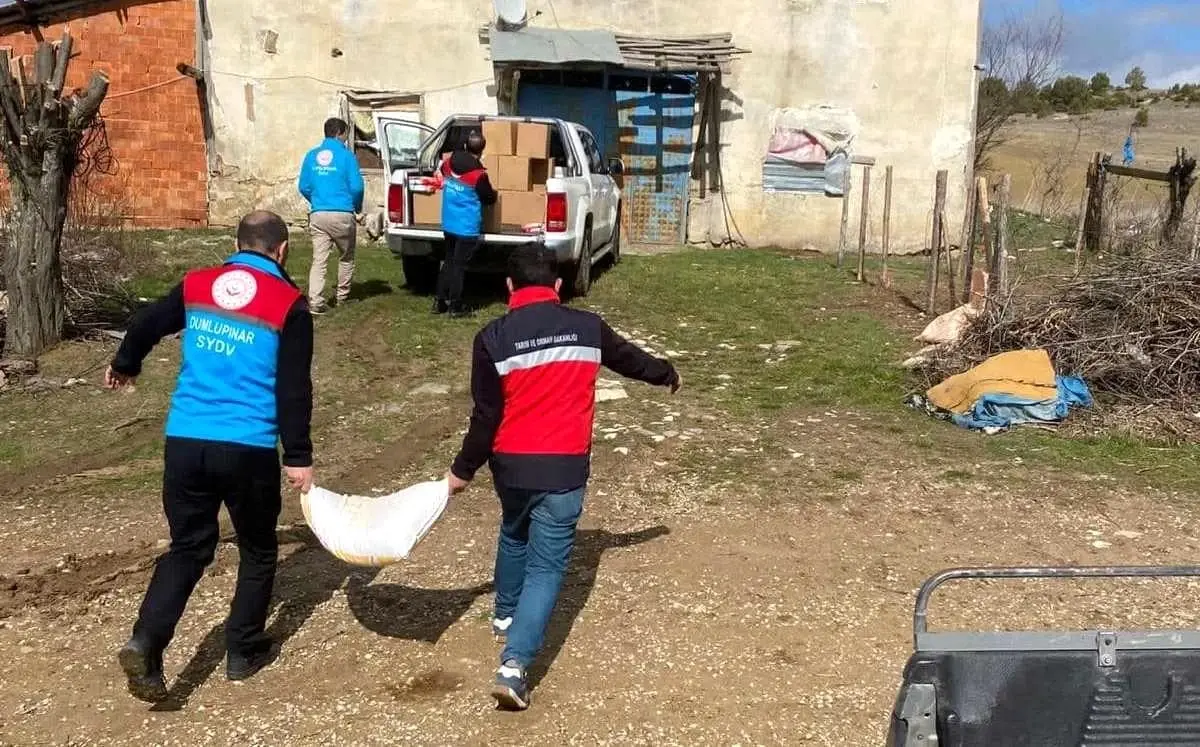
column 1130, row 327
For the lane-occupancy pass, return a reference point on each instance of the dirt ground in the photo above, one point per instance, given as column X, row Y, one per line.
column 742, row 577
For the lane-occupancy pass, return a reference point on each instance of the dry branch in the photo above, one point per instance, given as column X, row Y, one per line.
column 1129, row 327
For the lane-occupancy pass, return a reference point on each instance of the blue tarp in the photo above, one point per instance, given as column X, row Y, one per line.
column 1000, row 411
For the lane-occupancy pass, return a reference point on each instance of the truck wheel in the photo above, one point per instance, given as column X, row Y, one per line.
column 582, row 282
column 420, row 274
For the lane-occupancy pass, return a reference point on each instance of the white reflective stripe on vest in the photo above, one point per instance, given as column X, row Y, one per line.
column 564, row 354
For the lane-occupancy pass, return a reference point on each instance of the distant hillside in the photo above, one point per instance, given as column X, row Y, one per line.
column 1048, row 157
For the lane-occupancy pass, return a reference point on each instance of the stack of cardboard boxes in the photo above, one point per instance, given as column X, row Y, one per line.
column 518, row 163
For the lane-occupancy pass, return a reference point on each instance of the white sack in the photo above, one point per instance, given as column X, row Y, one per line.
column 374, row 531
column 949, row 327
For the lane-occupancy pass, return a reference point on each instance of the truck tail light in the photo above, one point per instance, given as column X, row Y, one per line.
column 395, row 203
column 556, row 212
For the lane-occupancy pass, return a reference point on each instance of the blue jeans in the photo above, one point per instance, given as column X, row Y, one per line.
column 537, row 533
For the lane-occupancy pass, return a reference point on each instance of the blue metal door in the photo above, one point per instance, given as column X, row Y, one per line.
column 590, row 107
column 647, row 121
column 655, row 142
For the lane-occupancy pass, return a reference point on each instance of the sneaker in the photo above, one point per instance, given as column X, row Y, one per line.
column 440, row 306
column 460, row 312
column 500, row 628
column 144, row 671
column 240, row 667
column 511, row 690
column 318, row 310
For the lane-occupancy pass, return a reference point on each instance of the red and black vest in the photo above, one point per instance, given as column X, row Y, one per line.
column 548, row 358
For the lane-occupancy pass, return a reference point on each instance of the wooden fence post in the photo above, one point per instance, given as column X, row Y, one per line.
column 844, row 237
column 968, row 241
column 862, row 223
column 887, row 225
column 1000, row 255
column 950, row 281
column 935, row 254
column 1083, row 208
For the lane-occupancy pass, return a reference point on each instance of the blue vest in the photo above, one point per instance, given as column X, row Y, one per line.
column 462, row 212
column 233, row 318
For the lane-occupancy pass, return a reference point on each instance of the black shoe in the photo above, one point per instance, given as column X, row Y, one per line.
column 144, row 670
column 440, row 306
column 240, row 667
column 461, row 312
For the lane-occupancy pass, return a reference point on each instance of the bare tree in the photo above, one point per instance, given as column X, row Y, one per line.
column 1019, row 55
column 41, row 130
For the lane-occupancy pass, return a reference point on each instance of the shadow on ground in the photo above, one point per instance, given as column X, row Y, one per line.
column 577, row 587
column 306, row 578
column 309, row 576
column 369, row 289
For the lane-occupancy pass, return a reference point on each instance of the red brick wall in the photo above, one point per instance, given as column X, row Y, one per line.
column 152, row 114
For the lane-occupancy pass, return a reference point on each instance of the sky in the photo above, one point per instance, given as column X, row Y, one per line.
column 1112, row 36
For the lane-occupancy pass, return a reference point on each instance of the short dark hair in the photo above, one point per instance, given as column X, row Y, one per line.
column 335, row 127
column 475, row 142
column 261, row 231
column 532, row 264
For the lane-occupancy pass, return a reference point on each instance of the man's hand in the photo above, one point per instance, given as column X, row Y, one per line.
column 457, row 484
column 300, row 478
column 115, row 380
column 677, row 384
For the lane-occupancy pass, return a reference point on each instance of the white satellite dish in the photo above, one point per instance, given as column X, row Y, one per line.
column 511, row 15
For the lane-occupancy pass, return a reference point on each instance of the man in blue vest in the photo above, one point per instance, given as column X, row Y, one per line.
column 333, row 185
column 244, row 388
column 466, row 190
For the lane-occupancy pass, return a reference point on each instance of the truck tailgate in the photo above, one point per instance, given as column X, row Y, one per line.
column 428, row 232
column 1077, row 688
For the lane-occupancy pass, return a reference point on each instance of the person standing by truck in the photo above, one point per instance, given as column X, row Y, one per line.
column 332, row 182
column 244, row 389
column 533, row 379
column 466, row 190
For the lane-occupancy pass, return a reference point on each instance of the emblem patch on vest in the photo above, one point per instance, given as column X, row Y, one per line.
column 234, row 290
column 325, row 157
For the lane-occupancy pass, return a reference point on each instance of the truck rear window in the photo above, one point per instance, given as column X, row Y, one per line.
column 456, row 137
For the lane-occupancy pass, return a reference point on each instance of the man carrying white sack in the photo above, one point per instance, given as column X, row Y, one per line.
column 244, row 388
column 533, row 378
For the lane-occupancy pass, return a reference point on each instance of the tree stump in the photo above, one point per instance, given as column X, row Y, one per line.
column 41, row 130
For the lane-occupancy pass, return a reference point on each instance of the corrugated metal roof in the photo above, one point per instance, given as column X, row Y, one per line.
column 554, row 46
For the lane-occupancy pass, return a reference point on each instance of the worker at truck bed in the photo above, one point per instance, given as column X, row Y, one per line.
column 466, row 190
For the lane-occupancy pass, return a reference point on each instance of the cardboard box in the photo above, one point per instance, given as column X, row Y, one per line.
column 520, row 208
column 501, row 137
column 427, row 208
column 540, row 171
column 492, row 164
column 533, row 140
column 515, row 174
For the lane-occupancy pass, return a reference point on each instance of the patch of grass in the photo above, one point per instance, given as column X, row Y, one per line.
column 1030, row 231
column 846, row 475
column 11, row 451
column 757, row 331
column 1120, row 457
column 957, row 475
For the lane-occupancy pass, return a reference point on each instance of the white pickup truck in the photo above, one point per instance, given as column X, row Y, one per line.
column 583, row 203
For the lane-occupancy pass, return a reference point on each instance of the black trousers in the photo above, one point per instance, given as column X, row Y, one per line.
column 459, row 251
column 198, row 476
